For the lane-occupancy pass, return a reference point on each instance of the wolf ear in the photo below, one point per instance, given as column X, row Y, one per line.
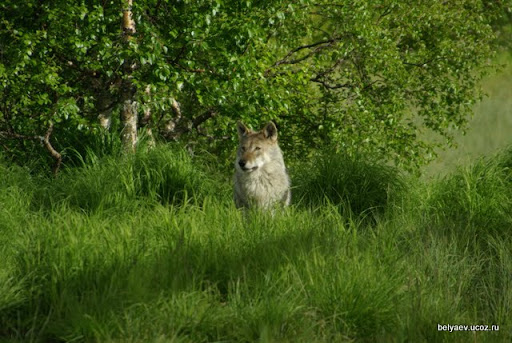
column 270, row 131
column 242, row 129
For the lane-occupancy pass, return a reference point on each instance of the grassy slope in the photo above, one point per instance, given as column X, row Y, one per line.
column 134, row 258
column 150, row 249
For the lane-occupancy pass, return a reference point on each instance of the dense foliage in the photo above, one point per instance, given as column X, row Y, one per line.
column 354, row 75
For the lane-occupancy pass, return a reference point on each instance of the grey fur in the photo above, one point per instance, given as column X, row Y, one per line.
column 266, row 183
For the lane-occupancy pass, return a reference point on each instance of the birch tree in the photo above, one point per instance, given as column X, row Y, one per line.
column 128, row 89
column 350, row 75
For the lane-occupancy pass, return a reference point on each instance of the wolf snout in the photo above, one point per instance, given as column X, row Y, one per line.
column 243, row 166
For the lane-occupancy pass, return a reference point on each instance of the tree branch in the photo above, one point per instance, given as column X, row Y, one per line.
column 421, row 64
column 13, row 135
column 57, row 157
column 317, row 46
column 44, row 140
column 327, row 85
column 210, row 113
column 174, row 128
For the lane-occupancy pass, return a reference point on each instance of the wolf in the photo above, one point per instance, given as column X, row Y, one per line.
column 261, row 179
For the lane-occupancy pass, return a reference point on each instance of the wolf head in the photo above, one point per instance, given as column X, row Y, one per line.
column 256, row 148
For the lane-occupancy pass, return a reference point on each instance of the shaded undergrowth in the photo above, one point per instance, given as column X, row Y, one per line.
column 165, row 175
column 357, row 186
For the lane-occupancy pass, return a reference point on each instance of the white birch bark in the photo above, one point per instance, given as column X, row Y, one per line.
column 129, row 109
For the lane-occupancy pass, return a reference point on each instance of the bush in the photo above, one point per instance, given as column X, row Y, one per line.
column 357, row 185
column 163, row 174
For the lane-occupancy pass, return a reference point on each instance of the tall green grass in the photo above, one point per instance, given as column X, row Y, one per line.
column 164, row 175
column 150, row 248
column 477, row 198
column 357, row 186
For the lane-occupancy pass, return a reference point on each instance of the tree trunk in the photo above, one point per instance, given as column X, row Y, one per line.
column 129, row 122
column 129, row 109
column 147, row 120
column 104, row 108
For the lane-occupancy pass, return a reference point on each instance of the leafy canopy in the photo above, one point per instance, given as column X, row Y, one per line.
column 350, row 75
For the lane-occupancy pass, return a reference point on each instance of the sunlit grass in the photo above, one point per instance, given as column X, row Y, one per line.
column 90, row 258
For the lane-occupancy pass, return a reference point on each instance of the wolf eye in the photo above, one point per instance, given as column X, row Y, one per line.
column 243, row 148
column 257, row 148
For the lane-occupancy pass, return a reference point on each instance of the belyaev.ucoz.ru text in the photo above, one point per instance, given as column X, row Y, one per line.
column 481, row 327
